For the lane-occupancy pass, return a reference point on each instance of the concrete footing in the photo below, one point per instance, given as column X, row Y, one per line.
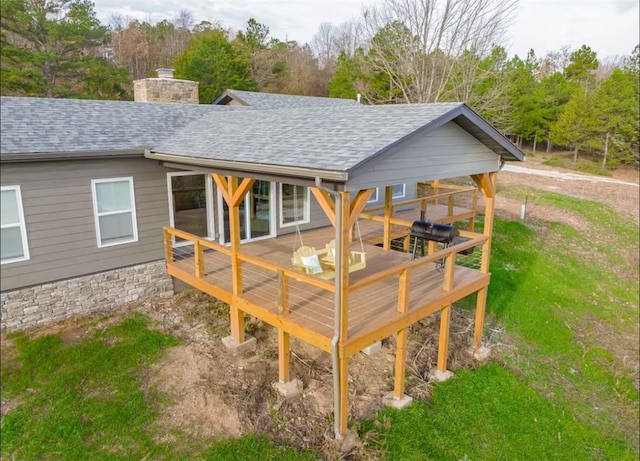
column 249, row 344
column 441, row 376
column 481, row 353
column 290, row 389
column 390, row 400
column 348, row 443
column 375, row 347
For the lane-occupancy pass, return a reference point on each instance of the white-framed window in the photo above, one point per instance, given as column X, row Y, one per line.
column 13, row 231
column 399, row 191
column 114, row 210
column 294, row 205
column 374, row 197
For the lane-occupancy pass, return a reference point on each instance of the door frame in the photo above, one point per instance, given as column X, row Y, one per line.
column 247, row 220
column 209, row 205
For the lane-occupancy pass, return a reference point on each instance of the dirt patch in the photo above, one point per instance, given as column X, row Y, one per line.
column 212, row 393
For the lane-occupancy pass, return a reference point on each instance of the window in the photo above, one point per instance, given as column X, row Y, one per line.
column 13, row 232
column 294, row 205
column 398, row 191
column 374, row 197
column 114, row 211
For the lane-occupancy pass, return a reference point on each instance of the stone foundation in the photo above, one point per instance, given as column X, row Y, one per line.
column 52, row 302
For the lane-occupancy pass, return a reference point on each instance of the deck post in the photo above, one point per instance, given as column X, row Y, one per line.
column 198, row 253
column 487, row 183
column 168, row 246
column 233, row 194
column 445, row 315
column 388, row 199
column 283, row 357
column 401, row 337
column 342, row 248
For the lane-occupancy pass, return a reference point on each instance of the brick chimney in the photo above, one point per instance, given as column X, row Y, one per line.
column 165, row 89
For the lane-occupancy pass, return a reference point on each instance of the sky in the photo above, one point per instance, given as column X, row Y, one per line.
column 609, row 27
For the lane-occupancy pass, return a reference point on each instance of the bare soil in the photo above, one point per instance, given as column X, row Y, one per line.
column 212, row 393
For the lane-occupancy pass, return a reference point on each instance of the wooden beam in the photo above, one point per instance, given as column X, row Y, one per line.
column 388, row 211
column 283, row 357
column 358, row 204
column 223, row 186
column 325, row 202
column 236, row 316
column 343, row 273
column 283, row 293
column 241, row 191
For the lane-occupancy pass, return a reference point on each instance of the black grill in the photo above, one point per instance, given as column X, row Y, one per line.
column 426, row 230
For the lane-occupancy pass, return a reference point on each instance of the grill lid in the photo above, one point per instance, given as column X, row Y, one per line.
column 442, row 233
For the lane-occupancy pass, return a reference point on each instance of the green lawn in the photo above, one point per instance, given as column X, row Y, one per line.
column 563, row 391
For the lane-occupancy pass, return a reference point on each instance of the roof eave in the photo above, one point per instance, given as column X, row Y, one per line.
column 260, row 168
column 70, row 155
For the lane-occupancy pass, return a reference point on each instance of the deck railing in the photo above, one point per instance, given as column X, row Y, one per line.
column 269, row 284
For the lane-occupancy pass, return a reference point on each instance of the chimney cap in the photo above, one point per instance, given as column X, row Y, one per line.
column 165, row 72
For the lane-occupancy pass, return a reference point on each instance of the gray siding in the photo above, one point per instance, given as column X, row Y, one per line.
column 447, row 152
column 58, row 211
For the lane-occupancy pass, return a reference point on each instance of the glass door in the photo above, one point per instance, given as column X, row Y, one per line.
column 256, row 213
column 190, row 207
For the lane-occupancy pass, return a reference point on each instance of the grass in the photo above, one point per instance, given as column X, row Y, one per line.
column 489, row 414
column 85, row 401
column 566, row 390
column 568, row 301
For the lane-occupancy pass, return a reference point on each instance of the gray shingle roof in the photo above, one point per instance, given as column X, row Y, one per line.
column 40, row 125
column 319, row 138
column 284, row 101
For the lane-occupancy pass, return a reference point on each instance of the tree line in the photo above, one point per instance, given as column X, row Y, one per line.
column 402, row 51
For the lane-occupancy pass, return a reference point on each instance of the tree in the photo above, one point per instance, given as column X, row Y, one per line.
column 48, row 46
column 576, row 125
column 616, row 110
column 582, row 68
column 420, row 43
column 216, row 63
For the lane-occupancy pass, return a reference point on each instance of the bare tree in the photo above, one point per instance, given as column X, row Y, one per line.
column 420, row 44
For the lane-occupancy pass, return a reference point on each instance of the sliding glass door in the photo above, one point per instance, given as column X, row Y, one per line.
column 257, row 213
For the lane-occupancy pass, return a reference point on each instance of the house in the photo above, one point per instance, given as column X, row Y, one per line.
column 104, row 196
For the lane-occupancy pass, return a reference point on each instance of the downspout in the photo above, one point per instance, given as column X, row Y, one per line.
column 336, row 307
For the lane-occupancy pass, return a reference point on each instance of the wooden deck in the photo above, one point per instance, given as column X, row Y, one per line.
column 303, row 305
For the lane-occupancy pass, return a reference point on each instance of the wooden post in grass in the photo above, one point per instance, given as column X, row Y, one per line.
column 401, row 336
column 487, row 184
column 445, row 315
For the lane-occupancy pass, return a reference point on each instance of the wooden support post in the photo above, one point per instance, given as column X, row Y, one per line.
column 234, row 195
column 443, row 342
column 198, row 253
column 487, row 183
column 168, row 246
column 401, row 336
column 450, row 206
column 481, row 302
column 434, row 185
column 388, row 211
column 445, row 314
column 343, row 359
column 474, row 208
column 283, row 357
